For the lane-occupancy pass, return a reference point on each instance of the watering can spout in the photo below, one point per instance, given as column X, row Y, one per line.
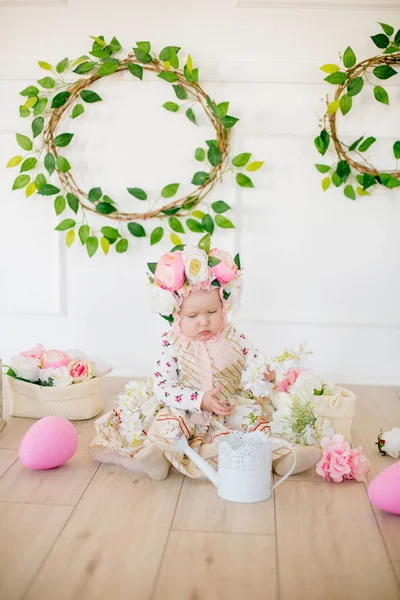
column 209, row 472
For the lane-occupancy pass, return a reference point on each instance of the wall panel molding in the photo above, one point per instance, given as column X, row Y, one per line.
column 317, row 4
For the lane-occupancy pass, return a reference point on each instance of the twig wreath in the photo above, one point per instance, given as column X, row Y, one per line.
column 58, row 97
column 352, row 169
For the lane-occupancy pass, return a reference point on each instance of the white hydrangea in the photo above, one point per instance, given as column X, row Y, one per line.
column 253, row 377
column 130, row 410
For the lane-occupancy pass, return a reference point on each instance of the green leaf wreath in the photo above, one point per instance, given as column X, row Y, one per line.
column 351, row 168
column 55, row 97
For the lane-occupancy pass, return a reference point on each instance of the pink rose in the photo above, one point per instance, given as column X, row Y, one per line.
column 35, row 352
column 53, row 359
column 170, row 271
column 225, row 270
column 80, row 370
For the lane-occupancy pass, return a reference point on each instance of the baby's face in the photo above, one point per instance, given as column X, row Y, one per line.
column 201, row 315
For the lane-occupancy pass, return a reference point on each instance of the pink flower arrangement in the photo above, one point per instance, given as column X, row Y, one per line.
column 35, row 352
column 80, row 370
column 225, row 270
column 54, row 359
column 340, row 461
column 289, row 378
column 170, row 271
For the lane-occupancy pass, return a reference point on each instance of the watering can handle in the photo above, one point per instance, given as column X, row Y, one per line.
column 282, row 479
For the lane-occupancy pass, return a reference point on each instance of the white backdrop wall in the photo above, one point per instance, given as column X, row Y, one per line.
column 318, row 267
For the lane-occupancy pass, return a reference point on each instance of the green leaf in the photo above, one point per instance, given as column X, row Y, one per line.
column 50, row 163
column 145, row 46
column 60, row 99
column 62, row 164
column 28, row 164
column 237, row 262
column 220, row 206
column 326, row 182
column 336, row 180
column 122, row 245
column 47, row 190
column 366, row 144
column 30, row 102
column 73, row 202
column 84, row 67
column 14, row 161
column 336, row 78
column 167, row 52
column 194, row 226
column 380, row 40
column 388, row 29
column 244, row 181
column 152, row 267
column 24, row 112
column 323, row 168
column 84, row 233
column 135, row 70
column 254, row 166
column 105, row 208
column 171, row 106
column 198, row 214
column 89, row 96
column 229, row 121
column 142, row 56
column 355, row 144
column 66, row 224
column 40, row 181
column 95, row 194
column 355, row 86
column 37, row 126
column 223, row 222
column 180, row 92
column 213, row 261
column 169, row 190
column 222, row 109
column 391, row 49
column 24, row 141
column 31, row 90
column 343, row 170
column 330, row 68
column 20, row 182
column 366, row 180
column 92, row 243
column 212, row 105
column 99, row 41
column 241, row 159
column 70, row 238
column 109, row 67
column 200, row 177
column 216, row 283
column 384, row 72
column 349, row 58
column 396, row 149
column 397, row 38
column 156, row 235
column 63, row 139
column 381, row 94
column 176, row 225
column 175, row 239
column 200, row 154
column 62, row 65
column 214, row 155
column 208, row 224
column 138, row 193
column 205, row 243
column 40, row 106
column 136, row 229
column 47, row 82
column 333, row 107
column 168, row 76
column 191, row 116
column 322, row 142
column 110, row 233
column 77, row 110
column 349, row 192
column 59, row 205
column 389, row 181
column 115, row 45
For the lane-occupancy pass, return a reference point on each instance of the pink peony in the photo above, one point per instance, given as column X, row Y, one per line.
column 339, row 461
column 80, row 370
column 289, row 378
column 35, row 352
column 225, row 270
column 53, row 359
column 170, row 271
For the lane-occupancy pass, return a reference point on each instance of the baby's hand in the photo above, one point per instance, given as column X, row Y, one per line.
column 270, row 375
column 211, row 404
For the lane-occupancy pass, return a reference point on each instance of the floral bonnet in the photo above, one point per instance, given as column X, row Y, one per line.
column 186, row 269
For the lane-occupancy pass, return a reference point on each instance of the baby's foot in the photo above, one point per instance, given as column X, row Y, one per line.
column 153, row 462
column 306, row 457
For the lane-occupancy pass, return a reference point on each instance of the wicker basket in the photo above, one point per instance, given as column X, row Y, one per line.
column 74, row 402
column 339, row 410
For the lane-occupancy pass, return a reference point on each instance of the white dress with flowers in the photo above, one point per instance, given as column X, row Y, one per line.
column 161, row 411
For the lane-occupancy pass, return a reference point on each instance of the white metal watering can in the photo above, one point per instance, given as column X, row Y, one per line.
column 244, row 465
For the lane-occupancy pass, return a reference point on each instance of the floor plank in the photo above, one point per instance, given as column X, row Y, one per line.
column 7, row 458
column 27, row 533
column 113, row 542
column 201, row 509
column 396, row 566
column 328, row 539
column 215, row 566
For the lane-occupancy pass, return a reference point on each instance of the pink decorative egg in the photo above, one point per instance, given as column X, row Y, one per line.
column 384, row 490
column 49, row 443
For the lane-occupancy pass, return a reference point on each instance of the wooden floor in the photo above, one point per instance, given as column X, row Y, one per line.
column 94, row 532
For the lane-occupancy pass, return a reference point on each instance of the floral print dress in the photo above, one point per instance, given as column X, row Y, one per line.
column 162, row 411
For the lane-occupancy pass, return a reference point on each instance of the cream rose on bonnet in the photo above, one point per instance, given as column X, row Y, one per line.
column 196, row 264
